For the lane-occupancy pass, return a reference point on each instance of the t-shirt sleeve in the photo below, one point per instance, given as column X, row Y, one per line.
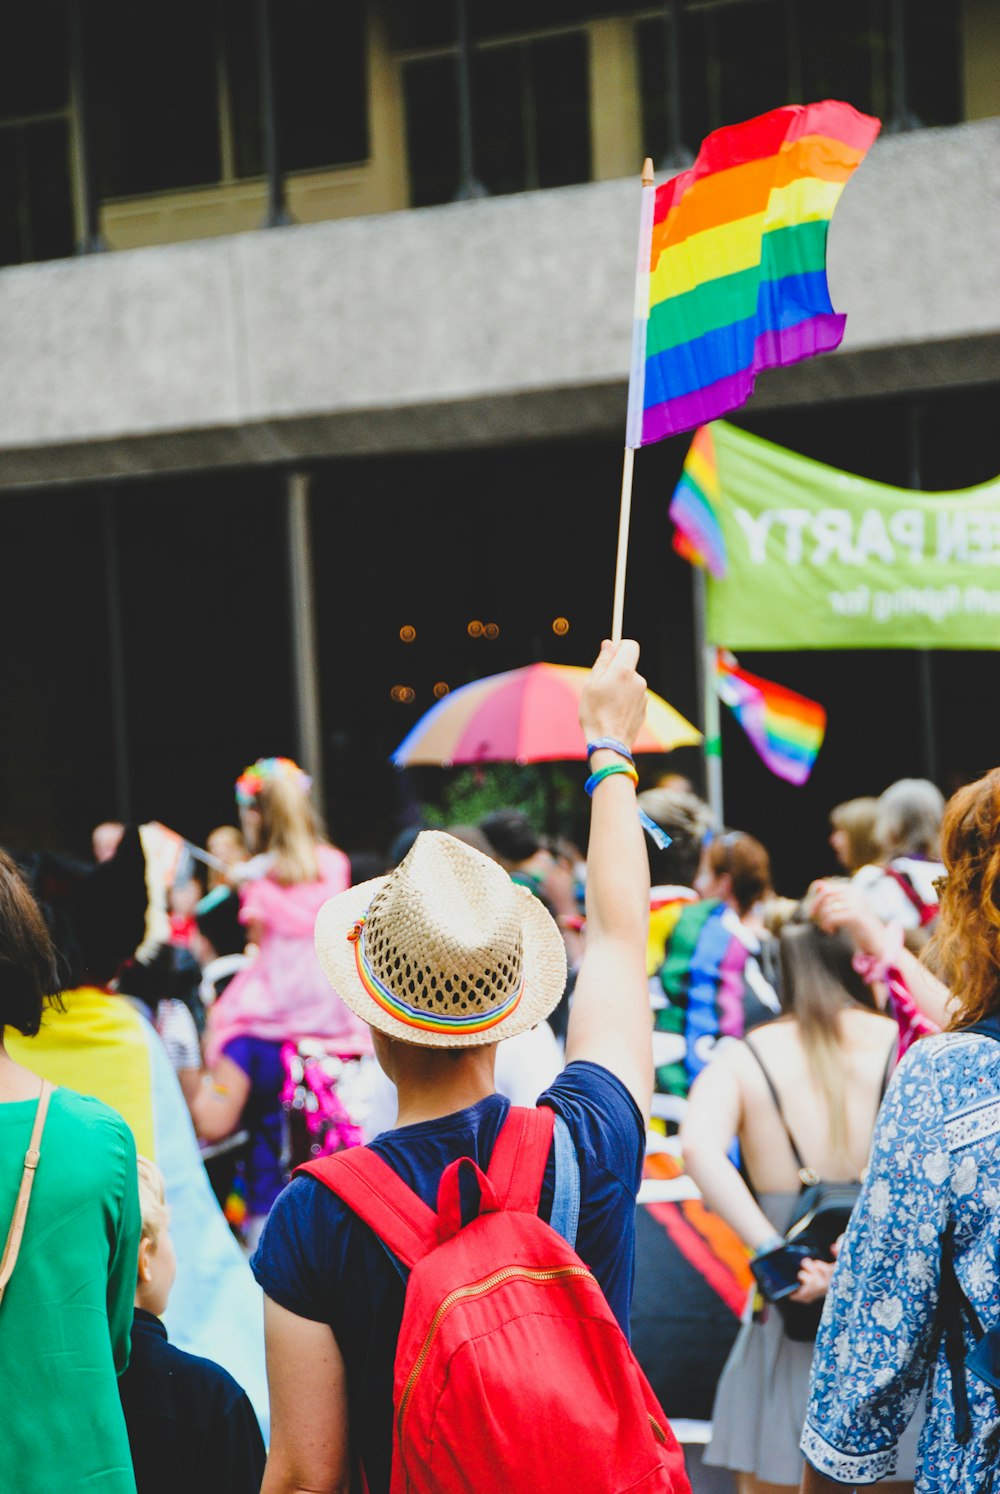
column 295, row 1261
column 602, row 1118
column 124, row 1254
column 877, row 1336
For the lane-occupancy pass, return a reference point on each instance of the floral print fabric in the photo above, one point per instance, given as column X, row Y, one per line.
column 935, row 1158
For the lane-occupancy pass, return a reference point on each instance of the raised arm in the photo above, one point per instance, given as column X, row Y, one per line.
column 837, row 906
column 711, row 1123
column 609, row 1021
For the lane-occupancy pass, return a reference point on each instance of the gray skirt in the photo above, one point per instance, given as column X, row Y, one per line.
column 760, row 1405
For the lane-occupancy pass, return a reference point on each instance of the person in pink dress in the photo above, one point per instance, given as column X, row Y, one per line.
column 282, row 996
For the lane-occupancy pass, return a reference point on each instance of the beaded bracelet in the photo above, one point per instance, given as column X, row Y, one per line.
column 608, row 772
column 610, row 744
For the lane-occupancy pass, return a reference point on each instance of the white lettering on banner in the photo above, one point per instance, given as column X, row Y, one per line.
column 756, row 531
column 832, row 532
column 906, row 527
column 969, row 538
column 952, row 538
column 837, row 535
column 853, row 603
column 873, row 541
column 795, row 520
column 935, row 602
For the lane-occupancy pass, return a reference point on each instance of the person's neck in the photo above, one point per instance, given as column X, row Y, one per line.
column 429, row 1090
column 16, row 1082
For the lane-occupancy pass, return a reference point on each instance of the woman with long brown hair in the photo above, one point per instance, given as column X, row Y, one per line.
column 917, row 1279
column 800, row 1095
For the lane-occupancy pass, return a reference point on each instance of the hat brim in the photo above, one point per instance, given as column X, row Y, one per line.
column 544, row 970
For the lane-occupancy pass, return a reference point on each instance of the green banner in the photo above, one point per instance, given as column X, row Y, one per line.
column 817, row 558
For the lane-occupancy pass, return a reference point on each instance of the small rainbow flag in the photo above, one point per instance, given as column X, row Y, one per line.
column 697, row 535
column 785, row 728
column 732, row 264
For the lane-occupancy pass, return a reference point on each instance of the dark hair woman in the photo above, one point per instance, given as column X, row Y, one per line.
column 801, row 1092
column 66, row 1306
column 929, row 1216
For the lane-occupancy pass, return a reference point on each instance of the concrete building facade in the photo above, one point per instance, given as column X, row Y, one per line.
column 270, row 405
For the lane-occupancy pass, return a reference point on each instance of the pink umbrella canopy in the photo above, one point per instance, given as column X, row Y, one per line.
column 528, row 715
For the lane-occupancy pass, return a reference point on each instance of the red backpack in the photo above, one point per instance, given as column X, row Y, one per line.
column 511, row 1372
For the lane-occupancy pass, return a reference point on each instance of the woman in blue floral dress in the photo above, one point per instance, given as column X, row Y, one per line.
column 935, row 1165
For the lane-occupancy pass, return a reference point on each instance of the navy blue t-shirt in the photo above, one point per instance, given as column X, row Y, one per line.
column 320, row 1262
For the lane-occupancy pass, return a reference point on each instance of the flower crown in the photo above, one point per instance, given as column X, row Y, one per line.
column 266, row 770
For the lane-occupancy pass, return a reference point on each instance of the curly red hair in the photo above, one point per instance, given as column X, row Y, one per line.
column 965, row 947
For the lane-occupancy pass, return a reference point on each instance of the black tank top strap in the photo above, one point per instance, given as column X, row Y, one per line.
column 800, row 1165
column 887, row 1072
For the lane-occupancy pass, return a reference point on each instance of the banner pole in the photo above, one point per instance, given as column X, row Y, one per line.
column 711, row 720
column 636, row 389
column 925, row 674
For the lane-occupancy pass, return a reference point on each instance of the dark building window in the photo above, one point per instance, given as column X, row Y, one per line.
column 172, row 79
column 739, row 58
column 155, row 92
column 320, row 82
column 530, row 117
column 36, row 199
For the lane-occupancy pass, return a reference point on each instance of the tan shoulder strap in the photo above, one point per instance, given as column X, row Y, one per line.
column 31, row 1159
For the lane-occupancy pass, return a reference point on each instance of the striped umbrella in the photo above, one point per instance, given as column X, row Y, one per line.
column 528, row 715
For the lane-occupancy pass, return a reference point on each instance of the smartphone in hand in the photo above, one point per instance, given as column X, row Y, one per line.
column 777, row 1272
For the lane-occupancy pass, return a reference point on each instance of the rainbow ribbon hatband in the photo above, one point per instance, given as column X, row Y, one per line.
column 419, row 1017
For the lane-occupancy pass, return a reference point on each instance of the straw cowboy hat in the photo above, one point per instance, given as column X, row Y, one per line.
column 445, row 952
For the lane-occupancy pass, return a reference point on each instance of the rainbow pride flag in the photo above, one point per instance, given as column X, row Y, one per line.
column 785, row 728
column 732, row 264
column 697, row 535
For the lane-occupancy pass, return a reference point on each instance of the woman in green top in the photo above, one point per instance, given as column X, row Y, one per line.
column 66, row 1312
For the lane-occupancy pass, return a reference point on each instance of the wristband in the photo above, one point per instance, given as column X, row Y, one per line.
column 657, row 835
column 610, row 744
column 609, row 772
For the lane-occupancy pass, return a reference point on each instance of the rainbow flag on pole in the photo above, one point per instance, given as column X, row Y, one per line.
column 697, row 536
column 786, row 729
column 732, row 264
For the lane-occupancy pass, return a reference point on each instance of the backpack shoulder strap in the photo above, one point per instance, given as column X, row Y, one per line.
column 520, row 1153
column 379, row 1197
column 777, row 1105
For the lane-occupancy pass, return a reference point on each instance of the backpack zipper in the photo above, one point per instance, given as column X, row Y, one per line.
column 658, row 1431
column 477, row 1289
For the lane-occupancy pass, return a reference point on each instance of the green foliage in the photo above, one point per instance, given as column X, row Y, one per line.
column 547, row 794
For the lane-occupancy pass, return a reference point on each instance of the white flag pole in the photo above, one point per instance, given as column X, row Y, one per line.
column 636, row 389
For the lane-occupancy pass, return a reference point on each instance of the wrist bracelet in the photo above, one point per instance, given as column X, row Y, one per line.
column 657, row 835
column 609, row 772
column 610, row 744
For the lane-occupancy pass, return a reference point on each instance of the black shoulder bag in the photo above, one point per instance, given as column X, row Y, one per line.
column 820, row 1216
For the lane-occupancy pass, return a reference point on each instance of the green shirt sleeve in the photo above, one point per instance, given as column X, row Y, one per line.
column 123, row 1263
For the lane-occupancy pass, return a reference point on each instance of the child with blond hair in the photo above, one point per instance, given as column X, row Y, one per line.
column 190, row 1425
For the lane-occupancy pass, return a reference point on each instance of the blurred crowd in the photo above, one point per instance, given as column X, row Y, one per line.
column 778, row 1019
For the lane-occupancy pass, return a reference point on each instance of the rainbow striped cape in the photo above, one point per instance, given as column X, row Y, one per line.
column 785, row 728
column 732, row 264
